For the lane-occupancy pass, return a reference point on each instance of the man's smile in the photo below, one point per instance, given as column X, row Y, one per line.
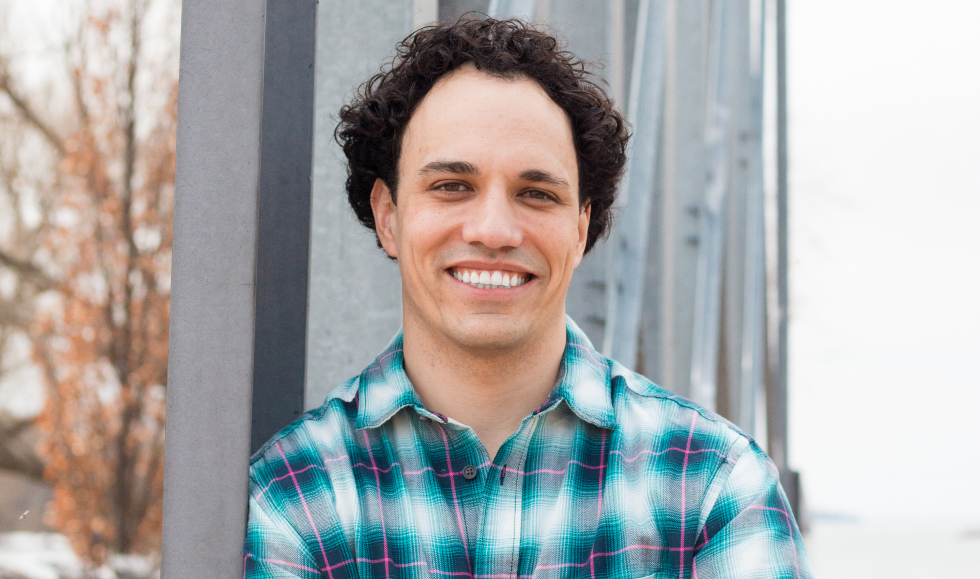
column 489, row 279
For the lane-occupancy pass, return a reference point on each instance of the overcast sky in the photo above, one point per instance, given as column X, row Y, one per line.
column 885, row 181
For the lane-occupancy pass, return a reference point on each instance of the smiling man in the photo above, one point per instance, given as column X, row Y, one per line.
column 490, row 439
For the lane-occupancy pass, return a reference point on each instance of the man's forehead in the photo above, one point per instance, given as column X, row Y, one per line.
column 470, row 116
column 470, row 95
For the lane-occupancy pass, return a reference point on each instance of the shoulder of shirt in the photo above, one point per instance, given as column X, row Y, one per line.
column 334, row 409
column 644, row 392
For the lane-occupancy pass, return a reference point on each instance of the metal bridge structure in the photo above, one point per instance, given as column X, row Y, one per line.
column 278, row 295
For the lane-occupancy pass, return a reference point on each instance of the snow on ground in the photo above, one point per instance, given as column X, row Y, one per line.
column 49, row 556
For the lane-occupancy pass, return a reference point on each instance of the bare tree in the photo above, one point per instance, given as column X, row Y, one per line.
column 88, row 181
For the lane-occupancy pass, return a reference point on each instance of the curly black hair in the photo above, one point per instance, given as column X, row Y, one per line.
column 371, row 126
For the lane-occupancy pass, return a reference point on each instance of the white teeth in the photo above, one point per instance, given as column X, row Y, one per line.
column 489, row 280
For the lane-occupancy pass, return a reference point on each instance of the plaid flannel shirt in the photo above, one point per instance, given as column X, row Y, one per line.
column 612, row 476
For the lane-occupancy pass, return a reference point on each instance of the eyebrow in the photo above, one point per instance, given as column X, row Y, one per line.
column 464, row 168
column 538, row 176
column 458, row 167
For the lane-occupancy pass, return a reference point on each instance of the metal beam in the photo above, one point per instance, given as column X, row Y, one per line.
column 347, row 328
column 742, row 140
column 628, row 250
column 283, row 252
column 707, row 307
column 424, row 12
column 777, row 421
column 451, row 10
column 683, row 187
column 212, row 302
column 753, row 343
column 512, row 9
column 595, row 33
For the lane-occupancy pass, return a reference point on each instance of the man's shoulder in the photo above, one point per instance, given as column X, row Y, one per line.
column 318, row 431
column 647, row 410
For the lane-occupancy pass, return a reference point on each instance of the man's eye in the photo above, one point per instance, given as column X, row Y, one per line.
column 538, row 195
column 451, row 187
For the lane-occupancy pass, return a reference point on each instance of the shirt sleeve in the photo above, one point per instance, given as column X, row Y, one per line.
column 292, row 534
column 750, row 531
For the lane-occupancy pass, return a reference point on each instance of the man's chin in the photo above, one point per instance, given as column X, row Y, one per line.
column 490, row 332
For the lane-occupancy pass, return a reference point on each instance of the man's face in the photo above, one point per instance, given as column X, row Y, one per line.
column 487, row 228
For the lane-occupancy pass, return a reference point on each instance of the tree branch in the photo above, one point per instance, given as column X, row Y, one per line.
column 18, row 442
column 27, row 269
column 30, row 115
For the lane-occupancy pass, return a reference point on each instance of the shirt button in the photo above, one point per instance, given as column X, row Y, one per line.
column 470, row 472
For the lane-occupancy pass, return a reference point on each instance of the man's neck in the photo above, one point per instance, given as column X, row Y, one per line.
column 491, row 392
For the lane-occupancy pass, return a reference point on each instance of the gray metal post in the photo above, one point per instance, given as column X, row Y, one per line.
column 752, row 355
column 704, row 356
column 210, row 372
column 615, row 71
column 453, row 9
column 424, row 12
column 283, row 252
column 741, row 143
column 347, row 328
column 523, row 9
column 777, row 395
column 592, row 36
column 629, row 246
column 684, row 171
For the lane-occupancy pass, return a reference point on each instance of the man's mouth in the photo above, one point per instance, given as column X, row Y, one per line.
column 489, row 279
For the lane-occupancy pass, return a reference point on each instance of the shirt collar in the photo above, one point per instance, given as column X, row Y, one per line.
column 585, row 380
column 583, row 384
column 383, row 388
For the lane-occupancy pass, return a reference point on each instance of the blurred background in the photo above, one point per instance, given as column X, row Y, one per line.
column 87, row 140
column 884, row 191
column 884, row 339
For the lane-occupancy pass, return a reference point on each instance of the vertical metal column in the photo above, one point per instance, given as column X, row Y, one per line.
column 628, row 250
column 684, row 168
column 347, row 328
column 742, row 141
column 211, row 326
column 615, row 69
column 451, row 10
column 707, row 307
column 523, row 9
column 283, row 253
column 424, row 12
column 753, row 344
column 593, row 32
column 777, row 420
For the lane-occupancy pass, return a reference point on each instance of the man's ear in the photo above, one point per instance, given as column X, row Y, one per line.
column 584, row 217
column 385, row 223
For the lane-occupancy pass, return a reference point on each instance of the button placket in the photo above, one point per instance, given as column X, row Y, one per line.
column 464, row 448
column 498, row 544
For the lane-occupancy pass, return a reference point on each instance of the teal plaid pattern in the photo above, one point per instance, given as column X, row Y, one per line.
column 611, row 477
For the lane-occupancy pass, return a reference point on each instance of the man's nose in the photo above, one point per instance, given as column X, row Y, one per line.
column 494, row 221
